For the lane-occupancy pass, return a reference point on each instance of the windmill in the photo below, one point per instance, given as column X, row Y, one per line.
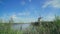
column 38, row 22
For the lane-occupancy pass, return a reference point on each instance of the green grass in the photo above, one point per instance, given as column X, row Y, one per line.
column 46, row 28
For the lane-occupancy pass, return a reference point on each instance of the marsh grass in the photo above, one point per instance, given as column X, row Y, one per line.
column 46, row 28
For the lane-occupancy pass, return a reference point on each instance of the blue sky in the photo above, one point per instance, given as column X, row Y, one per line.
column 29, row 10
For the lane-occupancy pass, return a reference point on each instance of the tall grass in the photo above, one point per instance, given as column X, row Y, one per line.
column 52, row 27
column 5, row 28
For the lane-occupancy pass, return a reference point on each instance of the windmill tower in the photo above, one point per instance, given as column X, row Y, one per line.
column 39, row 20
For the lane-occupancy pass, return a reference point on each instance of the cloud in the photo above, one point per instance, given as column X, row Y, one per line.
column 24, row 13
column 53, row 3
column 18, row 17
column 30, row 0
column 23, row 3
column 22, row 19
column 49, row 17
column 46, row 4
column 13, row 16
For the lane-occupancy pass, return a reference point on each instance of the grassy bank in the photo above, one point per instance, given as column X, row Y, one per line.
column 46, row 27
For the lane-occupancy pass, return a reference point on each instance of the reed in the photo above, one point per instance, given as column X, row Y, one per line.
column 52, row 27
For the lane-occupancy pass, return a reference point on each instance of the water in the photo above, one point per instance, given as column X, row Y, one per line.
column 18, row 26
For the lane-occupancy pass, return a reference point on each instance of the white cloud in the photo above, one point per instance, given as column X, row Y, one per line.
column 24, row 13
column 17, row 17
column 26, row 19
column 46, row 4
column 13, row 16
column 23, row 19
column 53, row 3
column 30, row 0
column 49, row 17
column 23, row 3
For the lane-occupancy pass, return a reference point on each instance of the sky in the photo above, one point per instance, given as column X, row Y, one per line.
column 29, row 10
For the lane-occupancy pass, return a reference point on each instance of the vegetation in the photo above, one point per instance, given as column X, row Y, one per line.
column 45, row 27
